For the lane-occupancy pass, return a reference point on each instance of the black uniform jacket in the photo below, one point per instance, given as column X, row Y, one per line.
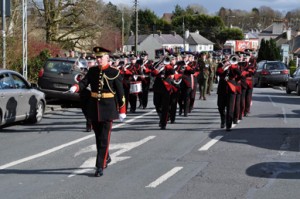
column 104, row 108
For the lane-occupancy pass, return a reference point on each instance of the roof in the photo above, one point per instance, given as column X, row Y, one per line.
column 161, row 38
column 196, row 38
column 131, row 39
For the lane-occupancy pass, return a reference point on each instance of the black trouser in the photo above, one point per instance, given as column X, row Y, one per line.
column 242, row 109
column 248, row 99
column 162, row 102
column 132, row 101
column 173, row 105
column 237, row 109
column 186, row 101
column 193, row 95
column 226, row 102
column 102, row 132
column 126, row 94
column 143, row 96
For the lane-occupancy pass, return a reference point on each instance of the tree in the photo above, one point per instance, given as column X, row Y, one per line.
column 70, row 20
column 229, row 34
column 146, row 21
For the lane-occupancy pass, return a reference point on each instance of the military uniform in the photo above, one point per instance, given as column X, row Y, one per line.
column 106, row 103
column 227, row 93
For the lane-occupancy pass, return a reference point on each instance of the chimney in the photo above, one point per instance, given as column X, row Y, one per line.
column 174, row 33
column 289, row 34
column 197, row 32
column 159, row 32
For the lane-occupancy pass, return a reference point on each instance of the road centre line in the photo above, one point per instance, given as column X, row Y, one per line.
column 164, row 177
column 14, row 163
column 210, row 143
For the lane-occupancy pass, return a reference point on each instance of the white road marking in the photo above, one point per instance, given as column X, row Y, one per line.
column 123, row 148
column 14, row 163
column 164, row 177
column 210, row 143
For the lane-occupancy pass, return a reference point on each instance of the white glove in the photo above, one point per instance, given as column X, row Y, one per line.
column 122, row 116
column 73, row 89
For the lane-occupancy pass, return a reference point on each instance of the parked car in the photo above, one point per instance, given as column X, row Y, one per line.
column 19, row 99
column 293, row 83
column 58, row 75
column 271, row 72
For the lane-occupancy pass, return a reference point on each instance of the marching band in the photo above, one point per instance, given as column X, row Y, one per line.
column 175, row 79
column 115, row 85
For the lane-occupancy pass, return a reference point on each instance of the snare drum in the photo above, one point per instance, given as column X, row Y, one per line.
column 135, row 87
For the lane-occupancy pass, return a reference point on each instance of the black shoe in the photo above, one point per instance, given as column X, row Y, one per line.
column 108, row 160
column 98, row 172
column 163, row 128
column 235, row 122
column 88, row 128
column 222, row 126
column 172, row 121
column 228, row 129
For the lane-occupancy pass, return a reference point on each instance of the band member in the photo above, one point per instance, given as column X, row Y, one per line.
column 187, row 85
column 227, row 73
column 204, row 66
column 177, row 78
column 242, row 65
column 160, row 93
column 106, row 104
column 146, row 67
column 192, row 63
column 250, row 68
column 130, row 72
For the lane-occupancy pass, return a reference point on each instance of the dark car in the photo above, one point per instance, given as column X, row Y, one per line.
column 271, row 72
column 293, row 83
column 19, row 99
column 58, row 75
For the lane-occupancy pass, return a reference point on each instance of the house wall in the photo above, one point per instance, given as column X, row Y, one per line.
column 200, row 48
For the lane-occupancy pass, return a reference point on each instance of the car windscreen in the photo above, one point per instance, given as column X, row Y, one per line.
column 60, row 66
column 275, row 66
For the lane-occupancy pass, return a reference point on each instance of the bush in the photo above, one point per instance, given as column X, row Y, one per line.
column 292, row 66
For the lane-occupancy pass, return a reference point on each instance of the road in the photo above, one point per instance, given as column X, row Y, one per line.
column 192, row 158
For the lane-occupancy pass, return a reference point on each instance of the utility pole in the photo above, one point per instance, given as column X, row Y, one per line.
column 136, row 27
column 183, row 34
column 3, row 35
column 122, row 31
column 24, row 27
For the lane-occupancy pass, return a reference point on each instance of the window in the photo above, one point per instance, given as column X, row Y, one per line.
column 5, row 81
column 19, row 82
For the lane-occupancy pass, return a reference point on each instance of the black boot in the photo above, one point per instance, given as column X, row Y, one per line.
column 98, row 172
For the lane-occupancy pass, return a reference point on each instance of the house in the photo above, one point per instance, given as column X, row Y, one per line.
column 150, row 43
column 198, row 43
column 274, row 30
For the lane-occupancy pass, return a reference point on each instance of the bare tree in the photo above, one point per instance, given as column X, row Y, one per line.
column 69, row 21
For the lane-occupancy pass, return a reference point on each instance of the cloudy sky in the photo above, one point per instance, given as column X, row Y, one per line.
column 167, row 6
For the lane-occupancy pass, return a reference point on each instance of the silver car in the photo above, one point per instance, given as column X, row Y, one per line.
column 19, row 99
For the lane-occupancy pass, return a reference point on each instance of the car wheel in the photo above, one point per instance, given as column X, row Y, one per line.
column 298, row 90
column 39, row 113
column 288, row 90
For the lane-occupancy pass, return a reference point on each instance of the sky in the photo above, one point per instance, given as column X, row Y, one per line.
column 167, row 6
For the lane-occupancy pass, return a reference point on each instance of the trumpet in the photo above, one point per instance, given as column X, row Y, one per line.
column 234, row 59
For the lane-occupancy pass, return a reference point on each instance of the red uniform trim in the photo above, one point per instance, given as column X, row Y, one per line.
column 231, row 86
column 107, row 148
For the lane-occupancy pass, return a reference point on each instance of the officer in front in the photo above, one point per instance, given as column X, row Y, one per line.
column 106, row 104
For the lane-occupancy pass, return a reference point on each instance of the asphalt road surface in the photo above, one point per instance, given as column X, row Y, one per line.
column 193, row 158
